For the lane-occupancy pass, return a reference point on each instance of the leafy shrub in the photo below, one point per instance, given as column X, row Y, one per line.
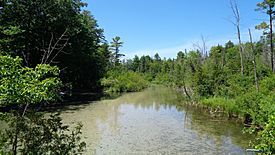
column 29, row 132
column 267, row 85
column 265, row 139
column 163, row 78
column 258, row 105
column 125, row 81
column 22, row 85
column 39, row 135
column 238, row 85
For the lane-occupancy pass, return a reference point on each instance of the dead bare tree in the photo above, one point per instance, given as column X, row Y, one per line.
column 55, row 47
column 236, row 23
column 254, row 61
column 201, row 47
column 204, row 47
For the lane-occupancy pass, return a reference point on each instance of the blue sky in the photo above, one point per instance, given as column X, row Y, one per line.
column 167, row 26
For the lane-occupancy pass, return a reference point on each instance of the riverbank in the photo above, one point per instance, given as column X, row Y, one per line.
column 152, row 122
column 255, row 109
column 216, row 108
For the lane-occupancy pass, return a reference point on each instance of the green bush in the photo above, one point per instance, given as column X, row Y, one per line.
column 125, row 81
column 265, row 139
column 258, row 105
column 21, row 89
column 163, row 78
column 36, row 134
column 239, row 85
column 267, row 85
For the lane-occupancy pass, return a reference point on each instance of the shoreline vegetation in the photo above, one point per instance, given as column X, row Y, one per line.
column 214, row 82
column 54, row 46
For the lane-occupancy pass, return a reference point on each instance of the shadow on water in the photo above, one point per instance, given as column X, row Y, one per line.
column 149, row 122
column 77, row 100
column 154, row 121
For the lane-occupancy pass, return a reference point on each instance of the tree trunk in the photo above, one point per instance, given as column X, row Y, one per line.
column 15, row 141
column 271, row 38
column 223, row 58
column 240, row 49
column 236, row 13
column 254, row 61
column 185, row 90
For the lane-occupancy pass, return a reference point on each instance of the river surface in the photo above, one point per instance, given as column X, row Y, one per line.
column 149, row 122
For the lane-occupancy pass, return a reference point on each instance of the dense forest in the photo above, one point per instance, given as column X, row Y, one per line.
column 48, row 47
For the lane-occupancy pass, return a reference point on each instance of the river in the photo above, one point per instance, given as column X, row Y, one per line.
column 149, row 122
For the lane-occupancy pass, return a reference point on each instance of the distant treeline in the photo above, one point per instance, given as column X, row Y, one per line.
column 237, row 79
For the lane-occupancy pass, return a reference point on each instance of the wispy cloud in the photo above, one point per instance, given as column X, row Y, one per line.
column 168, row 52
column 171, row 52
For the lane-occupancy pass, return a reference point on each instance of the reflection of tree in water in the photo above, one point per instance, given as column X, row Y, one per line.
column 113, row 114
column 220, row 128
column 102, row 118
column 153, row 97
column 94, row 117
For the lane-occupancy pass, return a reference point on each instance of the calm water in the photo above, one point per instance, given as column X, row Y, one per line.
column 148, row 122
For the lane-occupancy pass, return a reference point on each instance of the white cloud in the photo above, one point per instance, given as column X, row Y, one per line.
column 171, row 52
column 168, row 52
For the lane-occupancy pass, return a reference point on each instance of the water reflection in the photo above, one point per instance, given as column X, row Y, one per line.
column 148, row 122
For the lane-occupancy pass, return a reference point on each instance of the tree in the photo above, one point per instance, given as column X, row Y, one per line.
column 202, row 48
column 267, row 6
column 180, row 56
column 157, row 57
column 106, row 55
column 180, row 71
column 43, row 25
column 116, row 44
column 254, row 61
column 145, row 63
column 229, row 44
column 57, row 32
column 236, row 12
column 193, row 65
column 21, row 89
column 85, row 63
column 135, row 64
